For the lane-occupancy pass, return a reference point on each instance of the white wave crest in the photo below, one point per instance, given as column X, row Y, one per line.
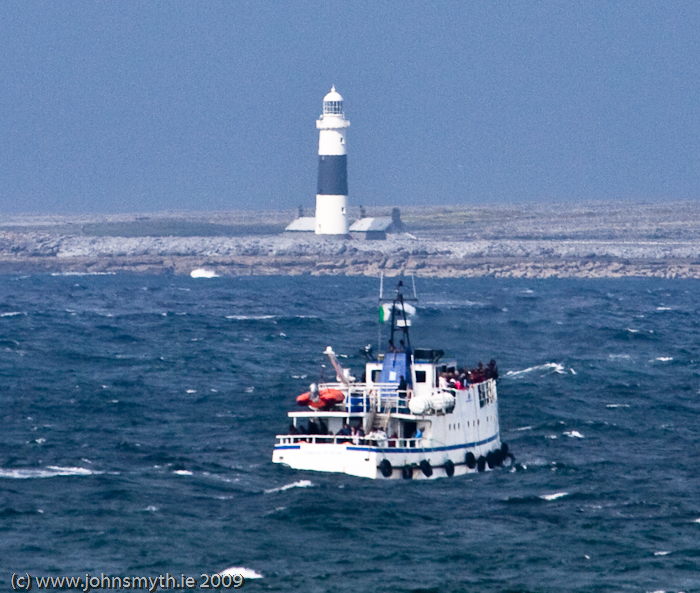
column 249, row 317
column 246, row 573
column 183, row 472
column 48, row 472
column 665, row 358
column 202, row 273
column 553, row 496
column 617, row 405
column 557, row 368
column 574, row 434
column 299, row 484
column 662, row 553
column 12, row 314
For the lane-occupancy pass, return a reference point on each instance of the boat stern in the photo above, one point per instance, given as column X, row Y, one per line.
column 345, row 458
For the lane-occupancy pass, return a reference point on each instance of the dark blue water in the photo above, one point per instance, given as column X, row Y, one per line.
column 138, row 415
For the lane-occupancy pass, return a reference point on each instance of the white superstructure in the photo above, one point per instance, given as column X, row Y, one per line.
column 332, row 188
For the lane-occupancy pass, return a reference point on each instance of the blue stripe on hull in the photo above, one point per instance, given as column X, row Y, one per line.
column 415, row 450
column 332, row 175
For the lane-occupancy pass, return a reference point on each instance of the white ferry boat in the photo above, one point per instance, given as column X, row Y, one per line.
column 414, row 415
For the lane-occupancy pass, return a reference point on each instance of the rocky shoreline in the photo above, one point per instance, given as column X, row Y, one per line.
column 533, row 242
column 295, row 256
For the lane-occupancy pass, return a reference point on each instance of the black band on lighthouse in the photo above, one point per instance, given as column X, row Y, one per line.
column 332, row 175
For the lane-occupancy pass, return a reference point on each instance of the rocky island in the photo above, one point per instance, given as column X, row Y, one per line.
column 523, row 240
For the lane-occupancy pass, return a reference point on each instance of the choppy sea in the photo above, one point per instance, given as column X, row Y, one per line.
column 138, row 416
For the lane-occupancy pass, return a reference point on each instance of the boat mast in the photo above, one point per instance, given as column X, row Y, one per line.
column 397, row 309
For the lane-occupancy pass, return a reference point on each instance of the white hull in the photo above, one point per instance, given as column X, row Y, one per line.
column 364, row 461
column 469, row 429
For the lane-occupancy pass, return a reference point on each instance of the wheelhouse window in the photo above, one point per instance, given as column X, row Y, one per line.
column 420, row 376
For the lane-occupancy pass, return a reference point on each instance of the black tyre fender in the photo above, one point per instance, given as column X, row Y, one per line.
column 498, row 457
column 491, row 459
column 426, row 468
column 449, row 468
column 481, row 463
column 504, row 450
column 407, row 472
column 471, row 460
column 385, row 468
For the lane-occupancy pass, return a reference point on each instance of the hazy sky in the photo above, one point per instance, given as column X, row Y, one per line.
column 112, row 106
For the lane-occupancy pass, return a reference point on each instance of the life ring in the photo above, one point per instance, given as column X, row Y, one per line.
column 471, row 460
column 449, row 468
column 481, row 463
column 326, row 397
column 426, row 468
column 407, row 472
column 385, row 468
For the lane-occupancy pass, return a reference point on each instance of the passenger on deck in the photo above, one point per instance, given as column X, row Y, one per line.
column 313, row 427
column 463, row 378
column 380, row 435
column 492, row 370
column 442, row 381
column 393, row 440
column 345, row 431
column 322, row 427
column 357, row 433
column 392, row 348
column 418, row 434
column 402, row 346
column 402, row 387
column 292, row 429
column 479, row 374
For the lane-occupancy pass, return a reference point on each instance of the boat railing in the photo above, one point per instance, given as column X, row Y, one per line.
column 383, row 398
column 369, row 440
column 372, row 397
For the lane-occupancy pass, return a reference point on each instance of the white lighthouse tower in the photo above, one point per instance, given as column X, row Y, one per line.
column 332, row 190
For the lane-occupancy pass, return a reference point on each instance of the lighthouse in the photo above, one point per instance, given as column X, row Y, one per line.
column 332, row 188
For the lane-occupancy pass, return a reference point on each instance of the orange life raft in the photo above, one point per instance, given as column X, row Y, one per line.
column 326, row 397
